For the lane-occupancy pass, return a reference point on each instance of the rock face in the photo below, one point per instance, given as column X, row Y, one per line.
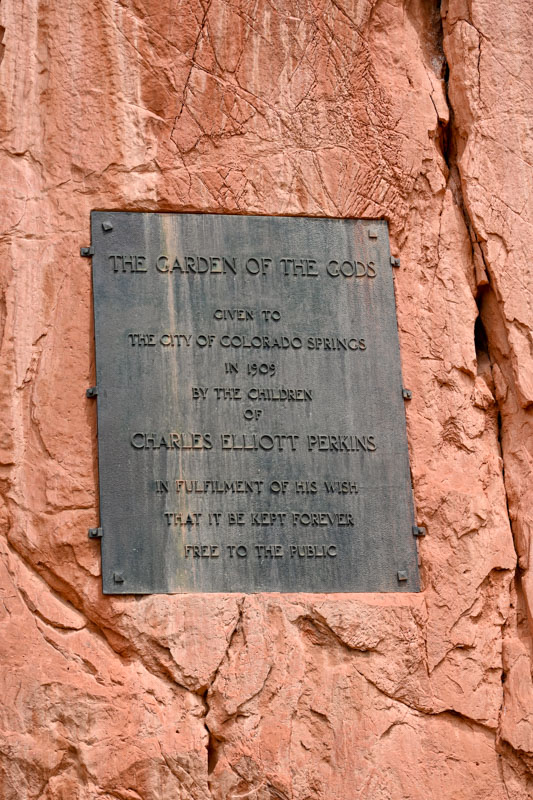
column 404, row 109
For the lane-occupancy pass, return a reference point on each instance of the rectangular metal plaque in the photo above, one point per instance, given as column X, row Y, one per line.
column 251, row 428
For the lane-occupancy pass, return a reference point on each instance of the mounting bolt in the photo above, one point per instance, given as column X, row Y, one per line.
column 86, row 252
column 372, row 233
column 92, row 391
column 394, row 262
column 118, row 577
column 95, row 533
column 106, row 226
column 419, row 531
column 402, row 576
column 407, row 394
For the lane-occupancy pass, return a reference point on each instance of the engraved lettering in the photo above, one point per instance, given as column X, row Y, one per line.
column 280, row 442
column 218, row 486
column 252, row 433
column 237, row 314
column 236, row 518
column 241, row 550
column 341, row 443
column 280, row 395
column 350, row 269
column 269, row 550
column 302, row 267
column 175, row 340
column 202, row 550
column 335, row 343
column 341, row 487
column 256, row 266
column 227, row 393
column 172, row 440
column 203, row 340
column 306, row 487
column 196, row 264
column 128, row 263
column 265, row 342
column 273, row 314
column 252, row 413
column 312, row 550
column 322, row 519
column 176, row 518
column 142, row 339
column 268, row 517
column 279, row 486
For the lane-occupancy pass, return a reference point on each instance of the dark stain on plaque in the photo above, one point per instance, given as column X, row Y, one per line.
column 251, row 425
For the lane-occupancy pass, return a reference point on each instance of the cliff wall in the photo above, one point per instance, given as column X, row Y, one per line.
column 404, row 109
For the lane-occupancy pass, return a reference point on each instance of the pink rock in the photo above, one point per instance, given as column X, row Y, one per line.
column 330, row 109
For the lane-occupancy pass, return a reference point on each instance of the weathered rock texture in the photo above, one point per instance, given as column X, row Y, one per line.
column 403, row 109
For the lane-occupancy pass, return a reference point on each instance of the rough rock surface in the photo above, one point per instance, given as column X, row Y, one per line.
column 404, row 109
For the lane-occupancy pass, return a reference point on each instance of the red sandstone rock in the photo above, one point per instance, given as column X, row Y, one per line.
column 324, row 108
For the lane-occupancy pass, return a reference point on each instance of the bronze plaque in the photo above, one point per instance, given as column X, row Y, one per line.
column 251, row 428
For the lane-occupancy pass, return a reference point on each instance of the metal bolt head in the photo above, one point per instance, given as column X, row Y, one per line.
column 402, row 575
column 417, row 531
column 92, row 391
column 394, row 262
column 106, row 226
column 407, row 394
column 118, row 577
column 372, row 233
